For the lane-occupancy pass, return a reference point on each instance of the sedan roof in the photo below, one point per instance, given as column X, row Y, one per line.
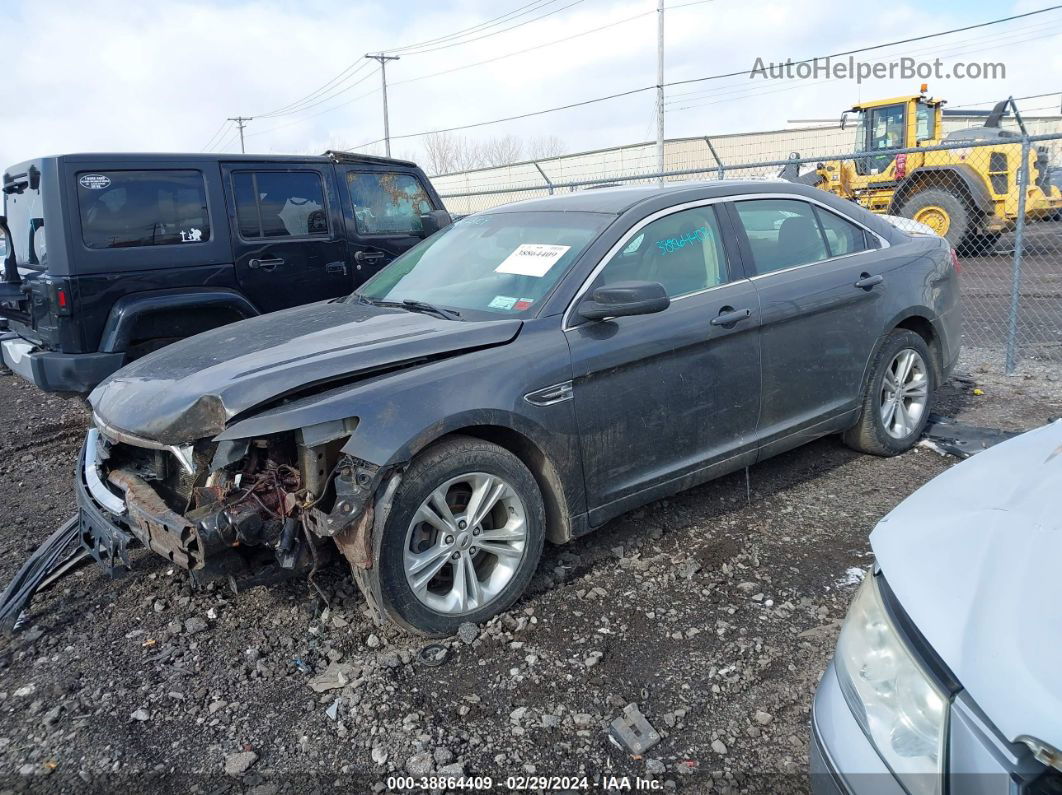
column 618, row 200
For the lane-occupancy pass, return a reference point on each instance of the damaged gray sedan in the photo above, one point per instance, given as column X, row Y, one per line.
column 526, row 374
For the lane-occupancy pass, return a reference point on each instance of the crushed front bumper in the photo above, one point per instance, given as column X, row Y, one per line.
column 106, row 541
column 111, row 526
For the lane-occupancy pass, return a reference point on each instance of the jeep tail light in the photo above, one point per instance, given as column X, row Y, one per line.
column 955, row 261
column 901, row 165
column 63, row 304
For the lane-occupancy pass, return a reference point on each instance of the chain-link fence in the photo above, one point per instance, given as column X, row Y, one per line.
column 995, row 194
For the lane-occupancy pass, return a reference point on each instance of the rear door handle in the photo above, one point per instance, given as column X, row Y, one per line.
column 866, row 281
column 267, row 265
column 728, row 316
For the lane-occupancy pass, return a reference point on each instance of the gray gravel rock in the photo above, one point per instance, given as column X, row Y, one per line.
column 467, row 632
column 419, row 764
column 238, row 764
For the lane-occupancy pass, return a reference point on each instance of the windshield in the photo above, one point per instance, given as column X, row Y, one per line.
column 494, row 265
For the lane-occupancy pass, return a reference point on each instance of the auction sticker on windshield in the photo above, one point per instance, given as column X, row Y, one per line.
column 532, row 259
column 502, row 302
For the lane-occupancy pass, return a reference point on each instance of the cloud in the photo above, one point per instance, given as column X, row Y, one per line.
column 123, row 75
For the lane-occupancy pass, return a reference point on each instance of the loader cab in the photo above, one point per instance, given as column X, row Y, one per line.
column 898, row 123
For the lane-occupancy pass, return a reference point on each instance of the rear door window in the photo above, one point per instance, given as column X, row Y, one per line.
column 782, row 233
column 279, row 204
column 387, row 203
column 130, row 209
column 842, row 236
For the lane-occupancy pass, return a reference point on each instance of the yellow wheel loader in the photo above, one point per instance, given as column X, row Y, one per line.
column 968, row 195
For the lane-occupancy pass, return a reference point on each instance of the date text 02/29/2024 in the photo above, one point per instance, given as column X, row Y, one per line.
column 524, row 783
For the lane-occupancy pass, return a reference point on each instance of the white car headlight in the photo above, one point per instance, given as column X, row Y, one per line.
column 900, row 708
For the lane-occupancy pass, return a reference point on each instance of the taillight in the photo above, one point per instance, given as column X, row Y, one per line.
column 62, row 302
column 955, row 261
column 901, row 166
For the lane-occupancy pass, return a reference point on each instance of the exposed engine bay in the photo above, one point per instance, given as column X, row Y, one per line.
column 252, row 511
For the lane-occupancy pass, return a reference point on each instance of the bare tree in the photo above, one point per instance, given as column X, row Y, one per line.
column 545, row 146
column 447, row 153
column 502, row 151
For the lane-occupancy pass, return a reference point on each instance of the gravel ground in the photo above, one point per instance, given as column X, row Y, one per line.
column 714, row 611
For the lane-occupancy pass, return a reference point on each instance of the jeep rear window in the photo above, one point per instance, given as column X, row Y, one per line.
column 129, row 209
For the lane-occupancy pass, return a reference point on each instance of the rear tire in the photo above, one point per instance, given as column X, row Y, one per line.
column 942, row 211
column 896, row 398
column 483, row 551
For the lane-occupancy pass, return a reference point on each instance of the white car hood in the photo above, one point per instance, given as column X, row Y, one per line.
column 975, row 559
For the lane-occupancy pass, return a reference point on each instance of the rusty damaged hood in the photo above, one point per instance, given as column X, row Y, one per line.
column 191, row 389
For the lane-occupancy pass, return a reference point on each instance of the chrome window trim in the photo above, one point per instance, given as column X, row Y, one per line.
column 634, row 230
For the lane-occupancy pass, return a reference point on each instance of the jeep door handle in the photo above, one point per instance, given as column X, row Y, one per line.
column 728, row 316
column 267, row 265
column 368, row 256
column 866, row 281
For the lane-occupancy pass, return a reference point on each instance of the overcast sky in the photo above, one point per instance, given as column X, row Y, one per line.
column 128, row 75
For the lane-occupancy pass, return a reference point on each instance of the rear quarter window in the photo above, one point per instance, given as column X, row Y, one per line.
column 131, row 209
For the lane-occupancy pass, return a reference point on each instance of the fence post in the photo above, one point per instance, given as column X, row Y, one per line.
column 1010, row 361
column 722, row 170
column 549, row 183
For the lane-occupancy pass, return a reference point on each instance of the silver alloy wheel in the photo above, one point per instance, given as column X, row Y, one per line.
column 904, row 393
column 465, row 543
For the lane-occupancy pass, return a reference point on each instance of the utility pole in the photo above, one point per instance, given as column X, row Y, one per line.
column 383, row 59
column 241, row 122
column 660, row 89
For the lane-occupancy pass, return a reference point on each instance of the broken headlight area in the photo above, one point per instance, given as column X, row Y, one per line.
column 251, row 510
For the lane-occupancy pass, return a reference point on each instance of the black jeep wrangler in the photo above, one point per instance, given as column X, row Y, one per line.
column 108, row 257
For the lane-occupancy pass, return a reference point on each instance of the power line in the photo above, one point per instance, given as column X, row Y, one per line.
column 690, row 81
column 324, row 99
column 506, row 17
column 496, row 32
column 677, row 95
column 292, row 107
column 734, row 93
column 302, row 119
column 879, row 46
column 214, row 137
column 447, row 71
column 526, row 50
column 321, row 100
column 352, row 69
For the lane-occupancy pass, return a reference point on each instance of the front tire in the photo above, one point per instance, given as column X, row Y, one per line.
column 463, row 537
column 896, row 398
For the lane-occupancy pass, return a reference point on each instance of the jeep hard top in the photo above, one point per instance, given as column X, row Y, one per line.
column 110, row 256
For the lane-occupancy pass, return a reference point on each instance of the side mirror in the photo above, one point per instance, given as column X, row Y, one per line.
column 625, row 298
column 432, row 222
